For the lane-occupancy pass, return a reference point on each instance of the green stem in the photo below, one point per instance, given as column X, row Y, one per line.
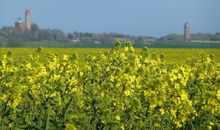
column 48, row 117
column 2, row 124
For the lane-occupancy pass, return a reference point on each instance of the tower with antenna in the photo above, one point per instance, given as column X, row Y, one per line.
column 27, row 20
column 186, row 32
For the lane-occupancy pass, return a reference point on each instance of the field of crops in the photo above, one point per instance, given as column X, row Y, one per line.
column 121, row 88
column 177, row 56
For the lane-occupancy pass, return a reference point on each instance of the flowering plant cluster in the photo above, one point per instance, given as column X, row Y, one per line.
column 116, row 89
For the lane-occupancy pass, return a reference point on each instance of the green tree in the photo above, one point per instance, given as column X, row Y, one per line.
column 14, row 42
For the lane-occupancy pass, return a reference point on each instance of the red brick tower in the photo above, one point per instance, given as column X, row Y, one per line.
column 19, row 25
column 186, row 32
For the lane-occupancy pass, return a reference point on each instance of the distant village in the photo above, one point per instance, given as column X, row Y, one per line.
column 27, row 32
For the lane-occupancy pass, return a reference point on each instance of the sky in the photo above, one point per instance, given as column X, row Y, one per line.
column 134, row 17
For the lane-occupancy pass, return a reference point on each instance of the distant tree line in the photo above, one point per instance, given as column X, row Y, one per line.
column 10, row 36
column 194, row 36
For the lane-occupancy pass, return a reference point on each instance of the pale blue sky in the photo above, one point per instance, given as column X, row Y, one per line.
column 135, row 17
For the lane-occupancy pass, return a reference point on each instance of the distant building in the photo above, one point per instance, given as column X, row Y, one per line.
column 74, row 37
column 186, row 32
column 27, row 20
column 19, row 25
